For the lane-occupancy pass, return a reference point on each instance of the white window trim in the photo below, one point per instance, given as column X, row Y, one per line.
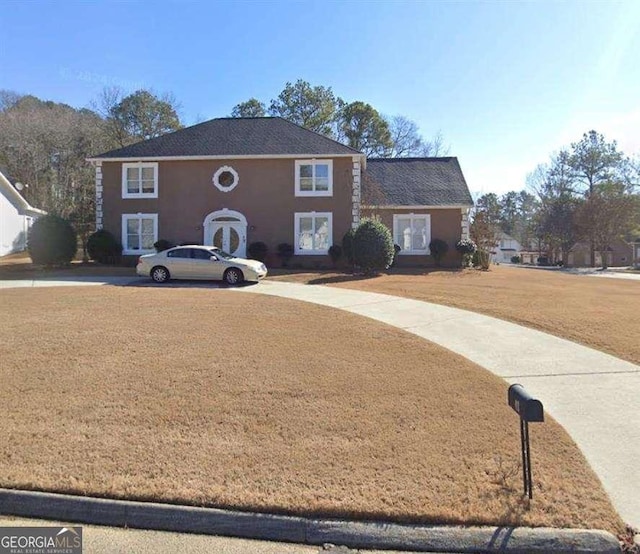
column 140, row 165
column 127, row 217
column 404, row 252
column 313, row 163
column 221, row 170
column 296, row 230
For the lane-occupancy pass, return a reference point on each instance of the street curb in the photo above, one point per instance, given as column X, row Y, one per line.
column 353, row 534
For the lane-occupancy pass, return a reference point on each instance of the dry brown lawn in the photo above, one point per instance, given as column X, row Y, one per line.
column 598, row 312
column 19, row 266
column 220, row 398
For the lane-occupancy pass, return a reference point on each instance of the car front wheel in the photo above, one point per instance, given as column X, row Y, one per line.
column 233, row 276
column 160, row 274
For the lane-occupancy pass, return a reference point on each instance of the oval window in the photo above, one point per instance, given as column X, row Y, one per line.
column 225, row 178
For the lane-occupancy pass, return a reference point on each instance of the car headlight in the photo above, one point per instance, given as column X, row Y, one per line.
column 263, row 267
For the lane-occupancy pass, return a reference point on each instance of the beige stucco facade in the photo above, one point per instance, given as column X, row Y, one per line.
column 446, row 223
column 264, row 195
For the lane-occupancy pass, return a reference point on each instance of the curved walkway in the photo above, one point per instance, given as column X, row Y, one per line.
column 594, row 396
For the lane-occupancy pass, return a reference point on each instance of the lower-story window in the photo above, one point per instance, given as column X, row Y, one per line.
column 139, row 233
column 412, row 233
column 313, row 232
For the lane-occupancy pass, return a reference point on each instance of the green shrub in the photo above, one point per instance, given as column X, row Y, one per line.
column 372, row 246
column 285, row 252
column 335, row 253
column 52, row 241
column 467, row 248
column 396, row 251
column 258, row 251
column 103, row 247
column 515, row 259
column 347, row 245
column 162, row 245
column 438, row 249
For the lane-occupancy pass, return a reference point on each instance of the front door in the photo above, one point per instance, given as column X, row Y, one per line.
column 227, row 230
column 230, row 237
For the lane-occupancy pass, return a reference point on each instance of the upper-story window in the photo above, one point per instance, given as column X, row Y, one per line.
column 314, row 178
column 140, row 180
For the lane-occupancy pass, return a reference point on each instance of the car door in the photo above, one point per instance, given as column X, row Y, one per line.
column 203, row 266
column 179, row 263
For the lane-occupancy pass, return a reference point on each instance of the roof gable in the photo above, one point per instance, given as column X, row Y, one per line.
column 415, row 182
column 16, row 199
column 235, row 137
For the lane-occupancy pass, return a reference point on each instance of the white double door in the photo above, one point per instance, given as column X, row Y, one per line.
column 230, row 237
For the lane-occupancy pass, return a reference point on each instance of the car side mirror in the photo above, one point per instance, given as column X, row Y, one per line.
column 213, row 259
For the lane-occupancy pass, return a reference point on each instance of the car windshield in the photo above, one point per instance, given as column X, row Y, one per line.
column 221, row 253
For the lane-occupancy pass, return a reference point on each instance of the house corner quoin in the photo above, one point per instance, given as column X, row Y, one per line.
column 357, row 192
column 99, row 198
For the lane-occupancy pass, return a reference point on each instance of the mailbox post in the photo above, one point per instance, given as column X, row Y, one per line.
column 529, row 409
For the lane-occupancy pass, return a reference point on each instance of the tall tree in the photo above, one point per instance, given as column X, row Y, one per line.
column 313, row 107
column 138, row 116
column 407, row 141
column 595, row 161
column 364, row 129
column 44, row 145
column 251, row 108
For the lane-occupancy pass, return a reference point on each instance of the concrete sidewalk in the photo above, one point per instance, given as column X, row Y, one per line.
column 594, row 396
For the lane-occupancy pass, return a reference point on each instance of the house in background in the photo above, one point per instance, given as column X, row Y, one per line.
column 506, row 248
column 622, row 253
column 232, row 181
column 16, row 217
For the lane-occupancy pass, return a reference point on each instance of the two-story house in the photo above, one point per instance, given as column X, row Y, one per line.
column 229, row 182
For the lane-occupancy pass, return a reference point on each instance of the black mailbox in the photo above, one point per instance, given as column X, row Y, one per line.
column 527, row 407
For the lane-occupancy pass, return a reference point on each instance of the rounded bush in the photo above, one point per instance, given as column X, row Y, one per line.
column 285, row 252
column 162, row 245
column 347, row 245
column 515, row 259
column 466, row 246
column 52, row 241
column 103, row 247
column 335, row 253
column 438, row 249
column 373, row 246
column 257, row 251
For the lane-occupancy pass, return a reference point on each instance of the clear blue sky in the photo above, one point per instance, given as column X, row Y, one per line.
column 506, row 83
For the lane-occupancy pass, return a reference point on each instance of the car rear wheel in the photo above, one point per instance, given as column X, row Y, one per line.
column 160, row 274
column 233, row 276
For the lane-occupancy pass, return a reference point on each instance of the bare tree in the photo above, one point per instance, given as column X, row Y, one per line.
column 407, row 141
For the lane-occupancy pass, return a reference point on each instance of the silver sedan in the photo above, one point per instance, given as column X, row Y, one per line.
column 199, row 262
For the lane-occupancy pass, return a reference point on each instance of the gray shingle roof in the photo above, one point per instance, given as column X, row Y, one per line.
column 415, row 182
column 262, row 136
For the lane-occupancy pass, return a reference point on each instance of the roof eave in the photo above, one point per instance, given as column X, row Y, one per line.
column 222, row 157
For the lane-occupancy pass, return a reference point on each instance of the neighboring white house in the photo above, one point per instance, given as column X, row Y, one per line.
column 506, row 247
column 16, row 216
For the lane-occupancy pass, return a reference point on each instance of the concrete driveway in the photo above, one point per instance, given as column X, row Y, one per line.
column 594, row 396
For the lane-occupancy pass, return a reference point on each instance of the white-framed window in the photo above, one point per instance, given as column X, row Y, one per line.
column 313, row 232
column 226, row 178
column 140, row 180
column 412, row 233
column 314, row 177
column 139, row 233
